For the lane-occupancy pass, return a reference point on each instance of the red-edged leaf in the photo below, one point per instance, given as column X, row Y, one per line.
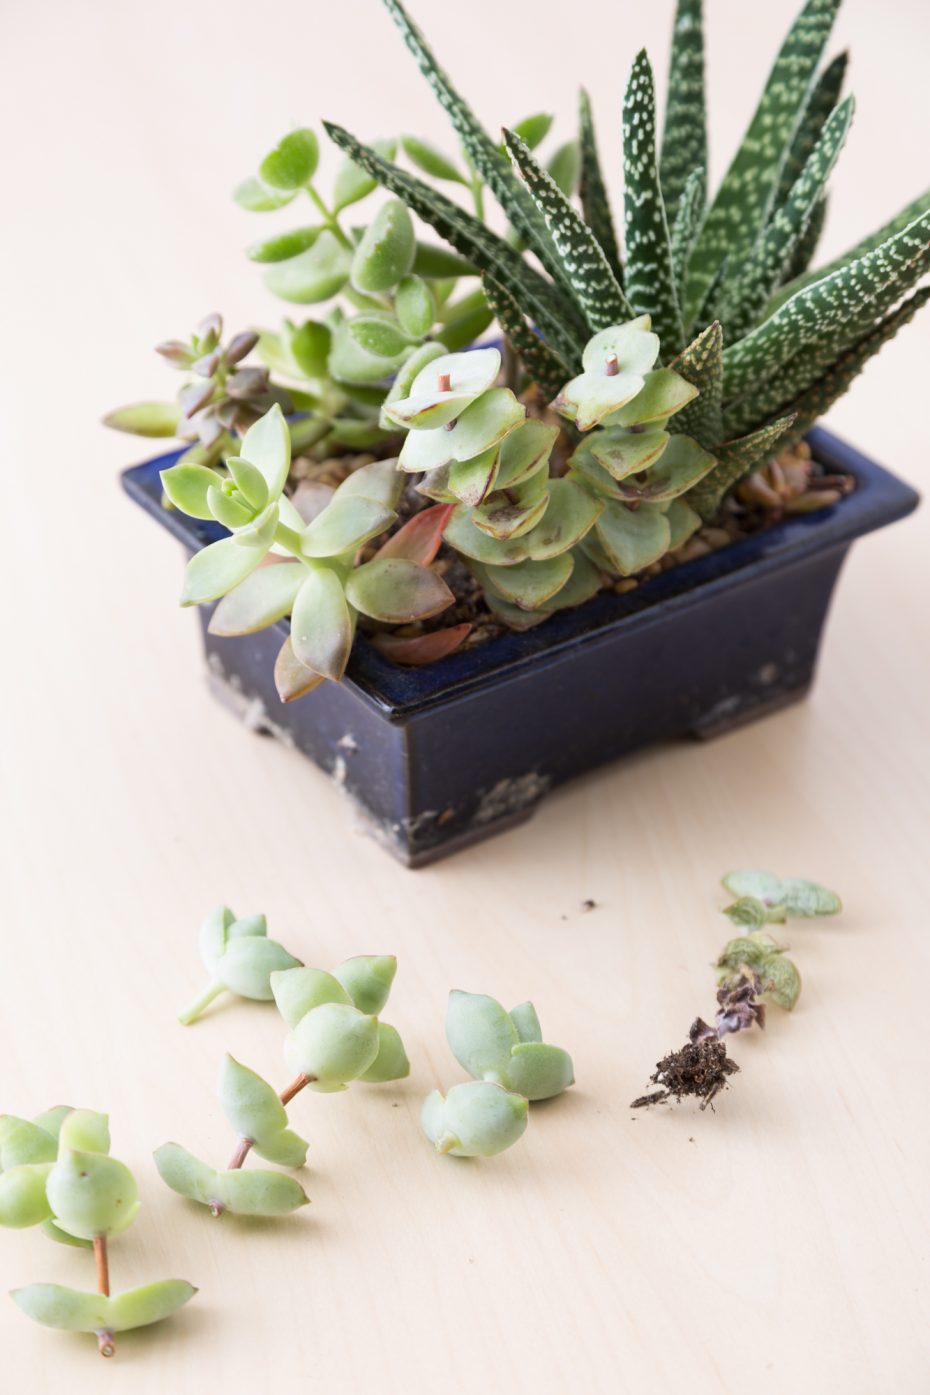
column 292, row 678
column 422, row 649
column 419, row 539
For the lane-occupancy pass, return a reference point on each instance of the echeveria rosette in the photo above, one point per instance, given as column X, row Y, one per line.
column 239, row 957
column 28, row 1153
column 505, row 1048
column 475, row 1120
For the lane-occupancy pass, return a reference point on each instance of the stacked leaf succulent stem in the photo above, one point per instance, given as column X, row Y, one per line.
column 687, row 344
column 336, row 1037
column 56, row 1173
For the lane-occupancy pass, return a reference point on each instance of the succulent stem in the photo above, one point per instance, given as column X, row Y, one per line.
column 105, row 1343
column 611, row 365
column 103, row 1265
column 295, row 1087
column 444, row 382
column 213, row 990
column 329, row 218
column 240, row 1155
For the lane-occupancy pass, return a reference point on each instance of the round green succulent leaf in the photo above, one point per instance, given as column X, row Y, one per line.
column 61, row 1237
column 682, row 464
column 430, row 160
column 249, row 1103
column 250, row 482
column 154, row 419
column 480, row 1033
column 414, row 305
column 333, row 1044
column 91, row 1194
column 292, row 162
column 391, row 1062
column 267, row 447
column 764, row 886
column 539, row 1071
column 804, row 898
column 73, row 1310
column 397, row 591
column 219, row 567
column 185, row 1174
column 633, row 344
column 285, row 1148
column 189, row 488
column 86, row 1131
column 484, row 423
column 443, row 386
column 314, row 275
column 530, row 584
column 213, row 935
column 633, row 539
column 663, row 393
column 322, row 628
column 283, row 246
column 261, row 600
column 347, row 521
column 227, row 509
column 524, row 1017
column 50, row 1120
column 248, row 963
column 622, row 452
column 385, row 251
column 476, row 1120
column 524, row 451
column 23, row 1200
column 368, row 978
column 140, row 1307
column 25, row 1142
column 298, row 991
column 781, row 981
column 256, row 197
column 380, row 480
column 471, row 481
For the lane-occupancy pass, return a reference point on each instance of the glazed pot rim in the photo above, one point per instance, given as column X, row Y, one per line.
column 879, row 498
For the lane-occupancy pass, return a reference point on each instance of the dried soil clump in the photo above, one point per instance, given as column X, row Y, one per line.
column 699, row 1068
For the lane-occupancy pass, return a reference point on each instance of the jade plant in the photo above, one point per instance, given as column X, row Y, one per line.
column 240, row 959
column 511, row 1065
column 57, row 1174
column 335, row 1037
column 753, row 970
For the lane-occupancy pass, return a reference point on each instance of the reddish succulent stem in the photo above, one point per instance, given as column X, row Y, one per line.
column 240, row 1155
column 444, row 382
column 105, row 1343
column 295, row 1087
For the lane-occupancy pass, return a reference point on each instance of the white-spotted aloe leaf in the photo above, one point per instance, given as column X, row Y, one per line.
column 592, row 190
column 585, row 267
column 542, row 363
column 684, row 136
column 735, row 460
column 752, row 282
column 744, row 198
column 701, row 364
column 650, row 273
column 684, row 230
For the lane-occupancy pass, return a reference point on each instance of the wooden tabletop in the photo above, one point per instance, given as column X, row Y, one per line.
column 779, row 1244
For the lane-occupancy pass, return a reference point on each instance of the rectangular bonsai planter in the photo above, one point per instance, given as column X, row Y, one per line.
column 440, row 757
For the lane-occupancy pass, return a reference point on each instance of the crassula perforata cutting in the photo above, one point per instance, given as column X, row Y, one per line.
column 239, row 958
column 505, row 1047
column 57, row 1173
column 763, row 898
column 335, row 1038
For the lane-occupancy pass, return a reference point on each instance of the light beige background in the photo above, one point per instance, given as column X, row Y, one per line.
column 780, row 1245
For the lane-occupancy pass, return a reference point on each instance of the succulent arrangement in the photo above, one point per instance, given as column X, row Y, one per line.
column 645, row 394
column 56, row 1173
column 752, row 971
column 510, row 1065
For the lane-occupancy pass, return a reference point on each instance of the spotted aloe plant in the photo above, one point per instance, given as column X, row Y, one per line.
column 769, row 343
column 279, row 561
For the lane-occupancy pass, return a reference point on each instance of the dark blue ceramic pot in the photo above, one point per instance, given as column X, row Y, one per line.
column 439, row 757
